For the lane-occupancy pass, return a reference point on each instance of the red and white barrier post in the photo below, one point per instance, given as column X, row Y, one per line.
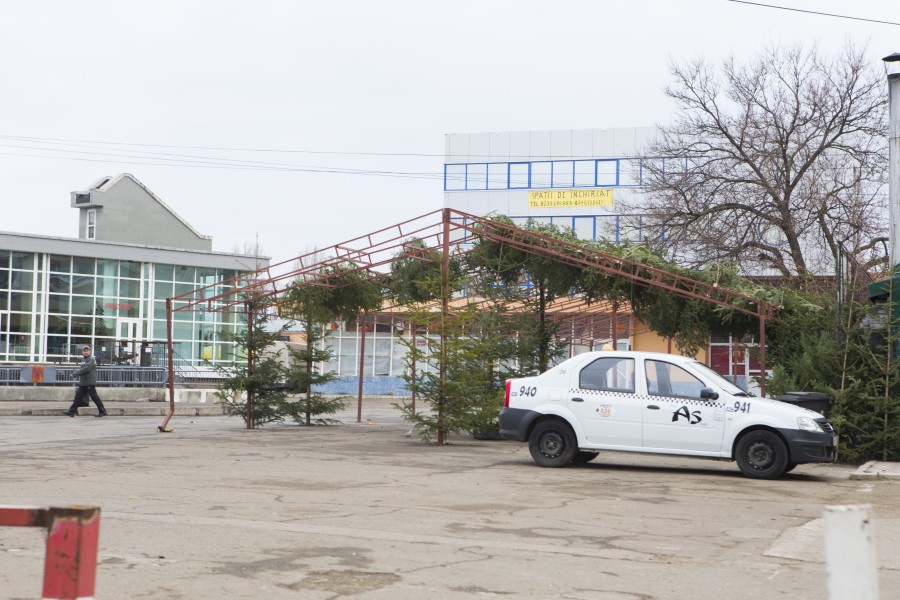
column 73, row 534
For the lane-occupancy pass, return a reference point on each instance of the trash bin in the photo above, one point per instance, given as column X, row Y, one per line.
column 816, row 401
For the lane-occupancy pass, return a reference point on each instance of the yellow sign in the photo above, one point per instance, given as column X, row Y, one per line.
column 564, row 198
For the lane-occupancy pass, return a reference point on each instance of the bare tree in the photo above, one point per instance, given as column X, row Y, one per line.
column 772, row 164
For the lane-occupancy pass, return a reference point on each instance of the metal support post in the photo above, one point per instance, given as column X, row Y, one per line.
column 73, row 534
column 362, row 363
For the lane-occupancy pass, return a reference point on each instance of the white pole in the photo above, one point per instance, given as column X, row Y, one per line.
column 850, row 553
column 893, row 62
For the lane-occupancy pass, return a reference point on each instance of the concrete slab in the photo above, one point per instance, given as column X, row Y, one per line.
column 876, row 469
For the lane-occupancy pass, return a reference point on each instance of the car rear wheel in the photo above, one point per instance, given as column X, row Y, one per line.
column 552, row 443
column 761, row 455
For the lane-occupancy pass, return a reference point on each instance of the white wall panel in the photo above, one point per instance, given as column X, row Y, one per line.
column 479, row 147
column 499, row 147
column 604, row 143
column 498, row 203
column 561, row 143
column 541, row 145
column 582, row 143
column 519, row 145
column 642, row 137
column 457, row 148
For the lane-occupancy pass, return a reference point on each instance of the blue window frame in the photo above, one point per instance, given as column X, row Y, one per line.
column 476, row 176
column 454, row 178
column 498, row 176
column 563, row 172
column 590, row 227
column 519, row 176
column 607, row 172
column 543, row 174
column 584, row 173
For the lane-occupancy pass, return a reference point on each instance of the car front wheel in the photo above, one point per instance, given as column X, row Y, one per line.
column 761, row 455
column 552, row 443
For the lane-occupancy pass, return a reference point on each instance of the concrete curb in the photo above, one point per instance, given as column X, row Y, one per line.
column 128, row 408
column 877, row 470
column 118, row 411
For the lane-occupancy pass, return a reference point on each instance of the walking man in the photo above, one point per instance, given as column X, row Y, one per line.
column 87, row 380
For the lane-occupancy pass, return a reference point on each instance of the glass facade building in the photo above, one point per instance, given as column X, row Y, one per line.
column 51, row 303
column 108, row 287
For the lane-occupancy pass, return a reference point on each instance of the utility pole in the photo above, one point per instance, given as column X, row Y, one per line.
column 887, row 289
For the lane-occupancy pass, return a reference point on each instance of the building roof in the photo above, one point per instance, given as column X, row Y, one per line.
column 105, row 183
column 24, row 242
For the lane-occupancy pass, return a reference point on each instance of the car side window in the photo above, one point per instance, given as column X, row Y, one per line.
column 666, row 379
column 611, row 374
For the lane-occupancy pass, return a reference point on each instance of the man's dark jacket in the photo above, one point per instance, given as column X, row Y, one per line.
column 87, row 372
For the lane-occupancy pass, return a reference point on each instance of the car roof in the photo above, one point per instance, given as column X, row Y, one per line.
column 637, row 354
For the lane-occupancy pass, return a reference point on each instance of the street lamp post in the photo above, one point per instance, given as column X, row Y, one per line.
column 887, row 290
column 892, row 63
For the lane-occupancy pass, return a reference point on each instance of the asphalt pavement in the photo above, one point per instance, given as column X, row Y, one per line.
column 374, row 407
column 364, row 511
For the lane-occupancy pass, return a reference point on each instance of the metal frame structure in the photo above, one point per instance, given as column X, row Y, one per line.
column 73, row 534
column 452, row 233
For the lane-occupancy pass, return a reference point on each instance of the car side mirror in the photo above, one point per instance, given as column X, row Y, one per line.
column 709, row 394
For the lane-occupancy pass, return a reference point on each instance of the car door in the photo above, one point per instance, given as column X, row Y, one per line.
column 675, row 417
column 604, row 401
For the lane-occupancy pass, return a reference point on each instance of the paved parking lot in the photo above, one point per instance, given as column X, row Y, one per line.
column 360, row 511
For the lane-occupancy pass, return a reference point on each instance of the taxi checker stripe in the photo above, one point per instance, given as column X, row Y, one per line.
column 648, row 397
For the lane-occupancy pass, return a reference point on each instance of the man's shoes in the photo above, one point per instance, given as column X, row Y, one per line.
column 69, row 414
column 103, row 414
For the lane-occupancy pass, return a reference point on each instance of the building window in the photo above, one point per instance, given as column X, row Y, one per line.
column 519, row 176
column 630, row 172
column 562, row 173
column 454, row 177
column 91, row 224
column 476, row 177
column 606, row 172
column 584, row 173
column 541, row 176
column 498, row 176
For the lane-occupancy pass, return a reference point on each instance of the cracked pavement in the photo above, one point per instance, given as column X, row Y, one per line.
column 359, row 511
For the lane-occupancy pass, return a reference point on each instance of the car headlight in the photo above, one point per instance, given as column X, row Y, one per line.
column 807, row 424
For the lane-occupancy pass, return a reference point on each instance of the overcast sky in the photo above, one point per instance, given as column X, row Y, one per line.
column 295, row 89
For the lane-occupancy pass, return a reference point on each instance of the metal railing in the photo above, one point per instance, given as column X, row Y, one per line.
column 189, row 374
column 106, row 376
column 10, row 375
column 119, row 376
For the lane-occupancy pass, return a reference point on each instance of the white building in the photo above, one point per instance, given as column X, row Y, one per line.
column 108, row 287
column 582, row 179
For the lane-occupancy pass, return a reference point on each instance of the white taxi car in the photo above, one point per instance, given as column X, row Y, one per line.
column 662, row 404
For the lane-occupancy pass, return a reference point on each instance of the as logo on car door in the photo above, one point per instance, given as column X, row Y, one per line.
column 692, row 417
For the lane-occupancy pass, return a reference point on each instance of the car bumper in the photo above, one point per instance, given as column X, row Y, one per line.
column 514, row 423
column 810, row 446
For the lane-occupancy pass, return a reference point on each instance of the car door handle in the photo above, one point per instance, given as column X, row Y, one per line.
column 577, row 399
column 652, row 407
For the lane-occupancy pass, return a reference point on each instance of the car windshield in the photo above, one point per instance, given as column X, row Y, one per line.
column 719, row 380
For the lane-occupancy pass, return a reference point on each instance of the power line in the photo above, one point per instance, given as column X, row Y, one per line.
column 222, row 148
column 813, row 12
column 224, row 165
column 469, row 157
